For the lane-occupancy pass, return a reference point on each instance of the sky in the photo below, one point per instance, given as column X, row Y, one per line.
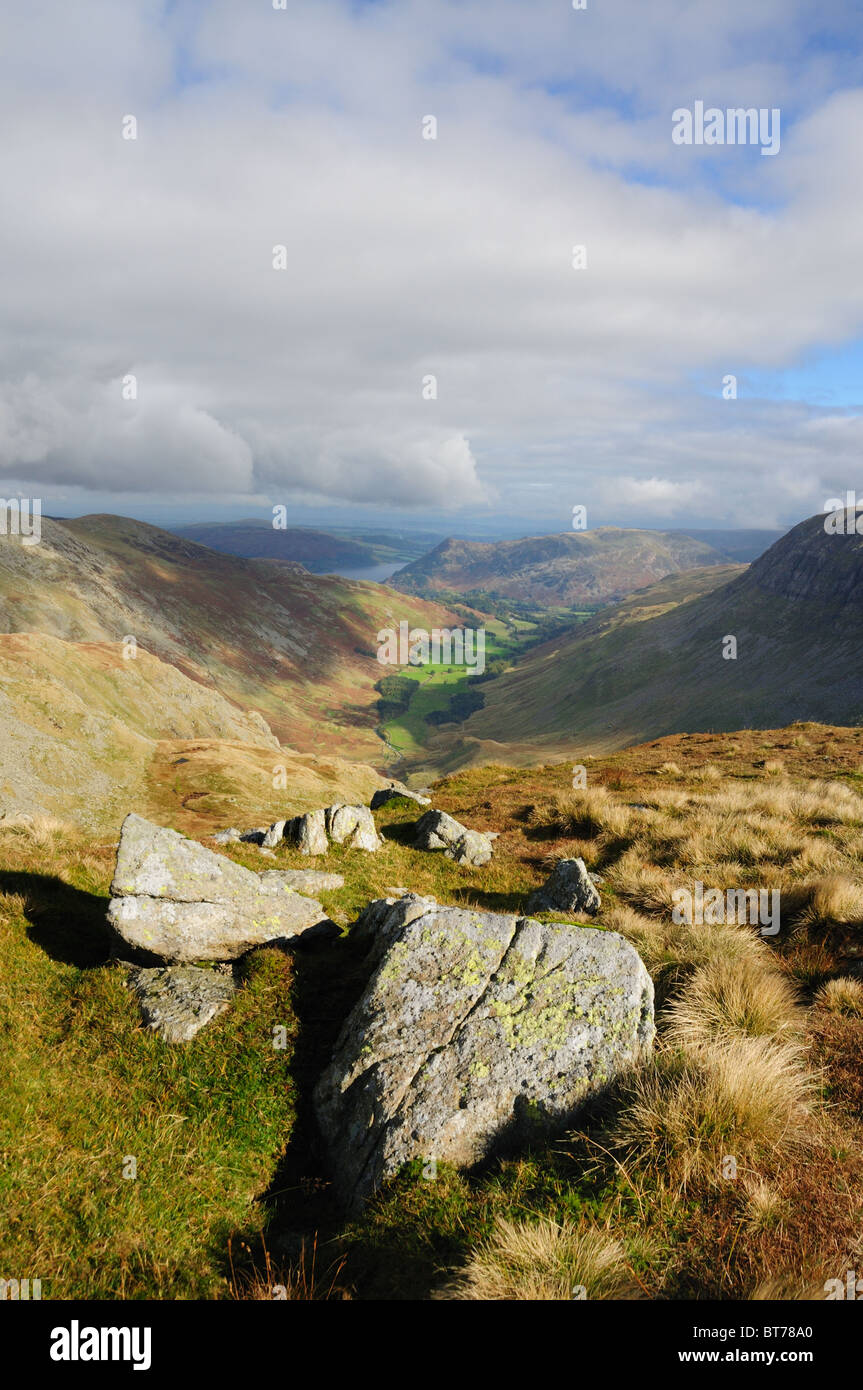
column 154, row 362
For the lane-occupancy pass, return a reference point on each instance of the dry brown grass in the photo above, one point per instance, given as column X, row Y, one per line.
column 588, row 813
column 544, row 1261
column 729, row 998
column 745, row 1098
column 843, row 996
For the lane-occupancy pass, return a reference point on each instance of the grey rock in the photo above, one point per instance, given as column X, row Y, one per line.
column 177, row 1001
column 569, row 888
column 386, row 794
column 274, row 835
column 437, row 830
column 253, row 837
column 352, row 826
column 476, row 1031
column 227, row 837
column 308, row 832
column 175, row 899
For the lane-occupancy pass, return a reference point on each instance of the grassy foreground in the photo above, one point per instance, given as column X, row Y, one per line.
column 729, row 1166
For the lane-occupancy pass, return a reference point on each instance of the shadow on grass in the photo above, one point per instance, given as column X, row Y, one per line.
column 400, row 832
column 67, row 923
column 301, row 1209
column 490, row 902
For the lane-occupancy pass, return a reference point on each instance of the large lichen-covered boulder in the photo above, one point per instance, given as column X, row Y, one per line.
column 476, row 1030
column 178, row 901
column 438, row 830
column 569, row 888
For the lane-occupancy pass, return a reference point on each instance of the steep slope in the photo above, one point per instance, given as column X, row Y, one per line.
column 794, row 614
column 577, row 567
column 298, row 648
column 85, row 734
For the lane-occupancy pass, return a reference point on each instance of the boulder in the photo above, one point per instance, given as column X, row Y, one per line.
column 176, row 1001
column 569, row 888
column 352, row 826
column 274, row 835
column 476, row 1031
column 178, row 901
column 227, row 837
column 308, row 832
column 437, row 830
column 386, row 794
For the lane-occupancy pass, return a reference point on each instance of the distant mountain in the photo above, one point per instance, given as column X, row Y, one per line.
column 296, row 648
column 624, row 677
column 743, row 545
column 565, row 570
column 317, row 551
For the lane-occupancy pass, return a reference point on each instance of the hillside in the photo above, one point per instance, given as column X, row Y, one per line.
column 298, row 649
column 567, row 570
column 758, row 1056
column 613, row 681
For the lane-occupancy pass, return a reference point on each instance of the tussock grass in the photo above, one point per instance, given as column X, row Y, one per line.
column 746, row 1098
column 728, row 998
column 587, row 814
column 842, row 996
column 547, row 1261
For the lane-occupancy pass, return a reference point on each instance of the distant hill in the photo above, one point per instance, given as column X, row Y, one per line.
column 624, row 677
column 566, row 570
column 239, row 636
column 339, row 550
column 317, row 551
column 743, row 545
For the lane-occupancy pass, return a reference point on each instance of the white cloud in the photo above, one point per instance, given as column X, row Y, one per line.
column 261, row 127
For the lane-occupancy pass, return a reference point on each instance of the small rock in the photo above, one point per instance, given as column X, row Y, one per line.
column 274, row 835
column 352, row 826
column 308, row 832
column 567, row 889
column 177, row 1001
column 227, row 837
column 437, row 830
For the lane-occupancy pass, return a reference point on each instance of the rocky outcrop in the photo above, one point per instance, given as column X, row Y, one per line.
column 437, row 830
column 178, row 901
column 569, row 888
column 177, row 1001
column 476, row 1030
